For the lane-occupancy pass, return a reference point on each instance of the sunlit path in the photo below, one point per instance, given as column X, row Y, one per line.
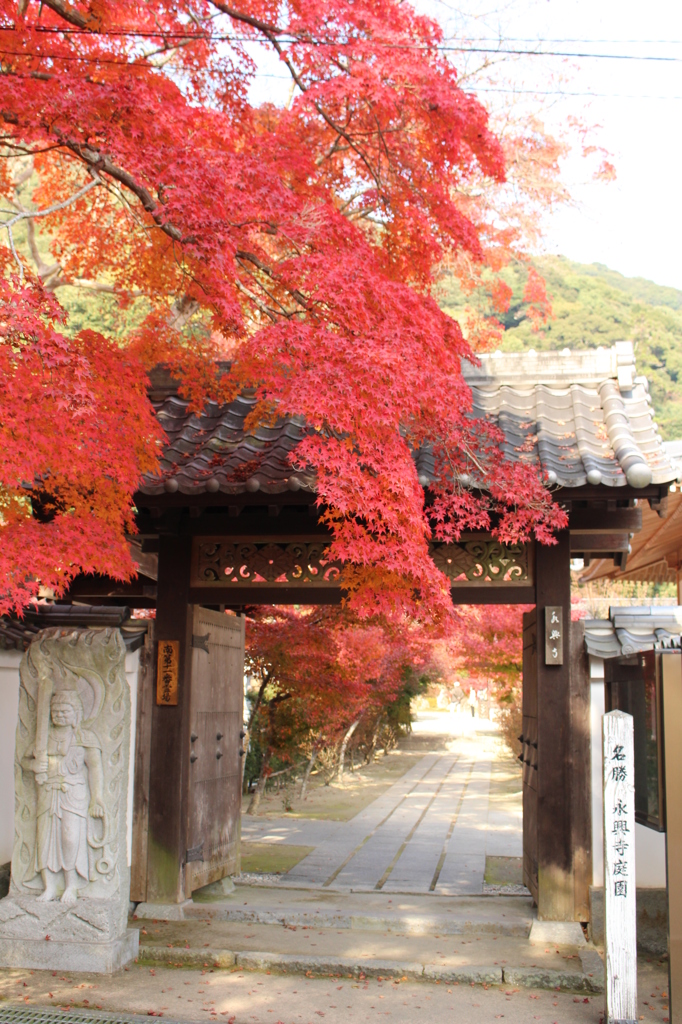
column 431, row 831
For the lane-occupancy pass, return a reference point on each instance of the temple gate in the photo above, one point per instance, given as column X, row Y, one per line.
column 229, row 523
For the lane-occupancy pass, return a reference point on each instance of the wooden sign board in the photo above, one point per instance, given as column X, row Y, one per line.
column 620, row 893
column 167, row 673
column 554, row 635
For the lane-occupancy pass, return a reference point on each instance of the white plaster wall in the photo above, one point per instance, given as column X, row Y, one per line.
column 597, row 707
column 649, row 857
column 132, row 675
column 9, row 711
column 649, row 845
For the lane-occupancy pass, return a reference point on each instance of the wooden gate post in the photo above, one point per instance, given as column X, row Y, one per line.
column 671, row 672
column 620, row 893
column 554, row 834
column 169, row 771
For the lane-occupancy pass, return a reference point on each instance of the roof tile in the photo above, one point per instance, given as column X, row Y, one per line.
column 566, row 411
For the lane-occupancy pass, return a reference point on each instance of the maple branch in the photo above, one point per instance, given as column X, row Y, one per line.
column 70, row 14
column 271, row 32
column 98, row 286
column 242, row 254
column 45, row 272
column 31, row 215
column 104, row 164
column 247, row 19
column 284, row 311
column 256, row 301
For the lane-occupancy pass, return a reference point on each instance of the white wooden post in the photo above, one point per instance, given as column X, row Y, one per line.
column 620, row 893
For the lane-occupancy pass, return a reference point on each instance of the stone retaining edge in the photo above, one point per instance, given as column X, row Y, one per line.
column 524, row 977
column 410, row 924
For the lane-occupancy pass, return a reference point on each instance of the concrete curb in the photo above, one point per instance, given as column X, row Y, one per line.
column 178, row 956
column 463, row 975
column 562, row 981
column 410, row 924
column 324, row 966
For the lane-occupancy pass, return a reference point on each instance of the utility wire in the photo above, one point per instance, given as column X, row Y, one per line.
column 135, row 59
column 289, row 41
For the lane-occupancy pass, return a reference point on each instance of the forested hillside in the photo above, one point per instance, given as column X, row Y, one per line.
column 594, row 306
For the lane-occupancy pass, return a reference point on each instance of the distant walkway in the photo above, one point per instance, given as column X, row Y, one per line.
column 430, row 832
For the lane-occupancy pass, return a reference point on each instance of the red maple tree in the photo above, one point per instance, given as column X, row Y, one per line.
column 321, row 672
column 301, row 241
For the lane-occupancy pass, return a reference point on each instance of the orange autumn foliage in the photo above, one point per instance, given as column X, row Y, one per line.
column 300, row 240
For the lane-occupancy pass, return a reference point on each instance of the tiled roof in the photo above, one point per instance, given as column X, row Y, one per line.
column 630, row 630
column 584, row 416
column 17, row 634
column 656, row 550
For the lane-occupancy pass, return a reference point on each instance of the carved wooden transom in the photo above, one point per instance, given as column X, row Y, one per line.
column 222, row 563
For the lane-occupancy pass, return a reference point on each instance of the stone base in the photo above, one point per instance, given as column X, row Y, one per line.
column 84, row 920
column 86, row 935
column 94, row 957
column 163, row 911
column 652, row 919
column 560, row 933
column 214, row 890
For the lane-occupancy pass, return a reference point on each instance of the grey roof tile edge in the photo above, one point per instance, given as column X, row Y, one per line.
column 629, row 630
column 583, row 387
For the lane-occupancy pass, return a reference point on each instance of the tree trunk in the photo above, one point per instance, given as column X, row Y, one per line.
column 375, row 736
column 342, row 755
column 247, row 729
column 260, row 785
column 309, row 768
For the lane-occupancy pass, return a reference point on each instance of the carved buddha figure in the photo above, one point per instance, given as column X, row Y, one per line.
column 69, row 788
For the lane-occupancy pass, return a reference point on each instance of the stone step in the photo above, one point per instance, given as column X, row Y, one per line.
column 454, row 941
column 417, row 915
column 589, row 978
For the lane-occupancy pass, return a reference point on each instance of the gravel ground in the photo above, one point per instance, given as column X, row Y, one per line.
column 242, row 997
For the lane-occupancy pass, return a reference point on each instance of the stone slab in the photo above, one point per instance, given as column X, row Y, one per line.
column 214, row 890
column 593, row 966
column 559, row 933
column 24, row 917
column 559, row 981
column 179, row 957
column 652, row 918
column 164, row 911
column 93, row 957
column 295, row 963
column 326, row 965
column 465, row 919
column 464, row 975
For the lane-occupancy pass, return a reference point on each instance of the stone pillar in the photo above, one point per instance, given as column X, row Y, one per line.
column 67, row 907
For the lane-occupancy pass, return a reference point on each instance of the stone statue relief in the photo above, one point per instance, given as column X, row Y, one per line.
column 69, row 778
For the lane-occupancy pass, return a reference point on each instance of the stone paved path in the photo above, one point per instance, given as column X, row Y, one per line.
column 430, row 832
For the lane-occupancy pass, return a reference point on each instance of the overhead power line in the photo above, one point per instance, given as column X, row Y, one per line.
column 288, row 40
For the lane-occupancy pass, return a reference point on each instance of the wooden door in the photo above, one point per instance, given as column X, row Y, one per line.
column 216, row 711
column 529, row 753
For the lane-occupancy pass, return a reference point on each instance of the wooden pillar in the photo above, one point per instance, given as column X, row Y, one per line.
column 554, row 833
column 671, row 683
column 581, row 771
column 146, row 699
column 169, row 770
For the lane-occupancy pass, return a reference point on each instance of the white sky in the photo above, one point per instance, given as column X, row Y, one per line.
column 633, row 225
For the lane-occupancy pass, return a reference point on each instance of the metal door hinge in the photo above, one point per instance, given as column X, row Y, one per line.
column 195, row 853
column 201, row 642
